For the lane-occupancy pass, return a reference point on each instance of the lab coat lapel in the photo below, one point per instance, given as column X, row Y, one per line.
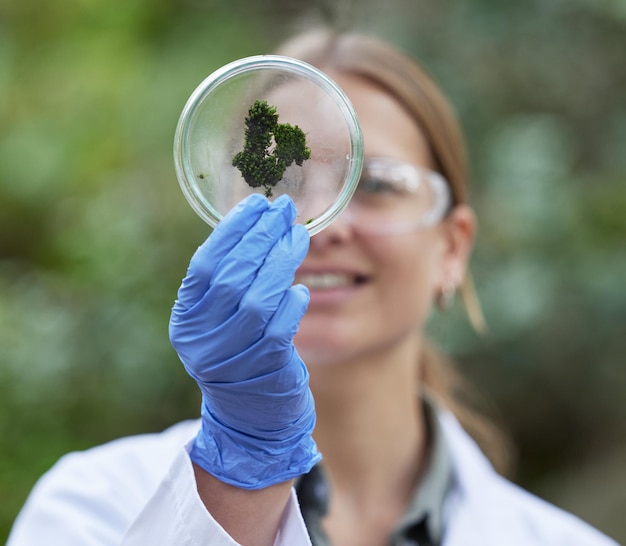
column 479, row 514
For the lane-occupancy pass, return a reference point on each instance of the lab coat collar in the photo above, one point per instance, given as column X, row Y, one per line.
column 485, row 509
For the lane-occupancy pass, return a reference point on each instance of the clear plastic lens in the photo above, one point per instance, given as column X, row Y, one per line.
column 211, row 131
column 397, row 197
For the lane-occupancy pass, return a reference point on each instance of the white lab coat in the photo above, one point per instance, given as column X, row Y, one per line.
column 140, row 491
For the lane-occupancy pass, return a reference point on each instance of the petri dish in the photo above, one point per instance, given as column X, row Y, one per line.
column 212, row 127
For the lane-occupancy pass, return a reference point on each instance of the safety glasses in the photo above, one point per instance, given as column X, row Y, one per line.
column 395, row 197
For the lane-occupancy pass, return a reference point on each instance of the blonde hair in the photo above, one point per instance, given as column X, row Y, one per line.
column 400, row 76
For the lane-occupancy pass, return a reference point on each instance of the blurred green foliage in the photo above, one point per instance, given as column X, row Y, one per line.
column 95, row 234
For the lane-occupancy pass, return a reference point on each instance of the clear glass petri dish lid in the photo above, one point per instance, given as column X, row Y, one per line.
column 220, row 157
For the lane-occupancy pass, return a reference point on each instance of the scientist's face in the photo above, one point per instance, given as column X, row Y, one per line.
column 371, row 294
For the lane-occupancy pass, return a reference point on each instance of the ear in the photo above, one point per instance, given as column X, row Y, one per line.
column 459, row 231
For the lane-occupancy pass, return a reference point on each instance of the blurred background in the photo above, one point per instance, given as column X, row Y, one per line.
column 95, row 234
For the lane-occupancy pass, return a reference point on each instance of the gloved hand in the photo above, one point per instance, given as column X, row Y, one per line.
column 232, row 326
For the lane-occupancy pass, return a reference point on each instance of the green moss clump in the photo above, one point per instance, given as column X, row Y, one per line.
column 258, row 166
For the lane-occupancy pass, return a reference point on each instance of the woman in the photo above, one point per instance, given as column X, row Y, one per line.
column 398, row 467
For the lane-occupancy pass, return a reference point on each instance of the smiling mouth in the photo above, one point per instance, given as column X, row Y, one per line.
column 325, row 281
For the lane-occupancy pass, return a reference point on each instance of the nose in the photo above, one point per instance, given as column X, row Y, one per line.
column 339, row 231
column 318, row 187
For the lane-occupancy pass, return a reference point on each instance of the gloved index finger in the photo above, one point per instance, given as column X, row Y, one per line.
column 248, row 255
column 226, row 235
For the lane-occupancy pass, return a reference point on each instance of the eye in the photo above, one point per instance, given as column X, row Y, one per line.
column 375, row 185
column 382, row 177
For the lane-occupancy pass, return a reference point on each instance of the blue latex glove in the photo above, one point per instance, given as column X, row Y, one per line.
column 232, row 326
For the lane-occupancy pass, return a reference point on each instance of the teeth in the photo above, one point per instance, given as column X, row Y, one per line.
column 326, row 280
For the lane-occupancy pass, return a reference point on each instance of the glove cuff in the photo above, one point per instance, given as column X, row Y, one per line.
column 249, row 462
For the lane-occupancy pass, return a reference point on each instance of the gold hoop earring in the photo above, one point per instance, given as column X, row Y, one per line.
column 445, row 297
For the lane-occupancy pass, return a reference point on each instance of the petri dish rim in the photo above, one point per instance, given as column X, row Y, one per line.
column 290, row 66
